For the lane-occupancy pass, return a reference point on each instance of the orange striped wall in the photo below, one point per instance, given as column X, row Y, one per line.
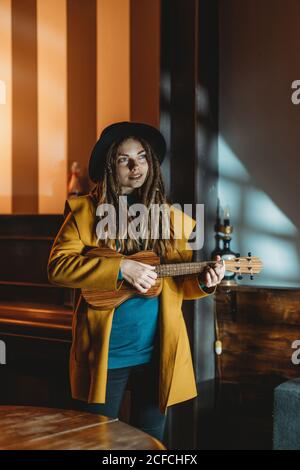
column 113, row 61
column 5, row 109
column 24, row 107
column 69, row 67
column 52, row 104
column 81, row 72
column 145, row 60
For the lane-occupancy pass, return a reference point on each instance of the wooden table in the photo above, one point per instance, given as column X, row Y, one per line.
column 31, row 428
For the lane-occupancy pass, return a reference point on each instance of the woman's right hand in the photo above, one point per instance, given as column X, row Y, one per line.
column 141, row 276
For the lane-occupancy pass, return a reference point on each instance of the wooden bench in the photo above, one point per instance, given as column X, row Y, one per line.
column 35, row 317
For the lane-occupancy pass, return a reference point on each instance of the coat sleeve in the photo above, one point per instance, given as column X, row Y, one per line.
column 190, row 283
column 68, row 267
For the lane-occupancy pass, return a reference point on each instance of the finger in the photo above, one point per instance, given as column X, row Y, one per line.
column 219, row 264
column 140, row 288
column 207, row 280
column 218, row 271
column 148, row 275
column 213, row 276
column 221, row 273
column 145, row 283
column 148, row 279
column 150, row 266
column 152, row 274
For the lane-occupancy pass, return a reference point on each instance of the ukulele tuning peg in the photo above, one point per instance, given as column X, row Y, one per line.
column 238, row 255
column 240, row 277
column 249, row 254
column 251, row 277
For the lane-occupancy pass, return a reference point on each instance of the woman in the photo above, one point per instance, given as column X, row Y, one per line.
column 144, row 340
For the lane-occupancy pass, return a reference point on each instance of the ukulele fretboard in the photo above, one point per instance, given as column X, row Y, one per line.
column 179, row 269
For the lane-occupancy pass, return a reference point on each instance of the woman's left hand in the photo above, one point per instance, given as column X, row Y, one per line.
column 212, row 276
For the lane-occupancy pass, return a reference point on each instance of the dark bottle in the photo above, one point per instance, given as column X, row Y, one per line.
column 217, row 250
column 228, row 254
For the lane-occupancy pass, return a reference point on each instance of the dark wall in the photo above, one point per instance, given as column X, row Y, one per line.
column 189, row 120
column 259, row 132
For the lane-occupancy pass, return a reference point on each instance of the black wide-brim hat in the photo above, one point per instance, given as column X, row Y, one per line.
column 116, row 133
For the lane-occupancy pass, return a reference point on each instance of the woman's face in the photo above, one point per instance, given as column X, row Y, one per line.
column 131, row 165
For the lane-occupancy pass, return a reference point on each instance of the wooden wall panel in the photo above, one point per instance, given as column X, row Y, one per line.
column 81, row 75
column 24, row 108
column 257, row 327
column 145, row 61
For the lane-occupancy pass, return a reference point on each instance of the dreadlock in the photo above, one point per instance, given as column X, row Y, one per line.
column 107, row 190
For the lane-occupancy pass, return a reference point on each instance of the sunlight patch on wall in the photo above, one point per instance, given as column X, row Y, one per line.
column 229, row 165
column 230, row 194
column 260, row 226
column 264, row 215
column 280, row 258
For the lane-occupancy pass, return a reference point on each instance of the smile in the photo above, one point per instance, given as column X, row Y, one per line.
column 135, row 177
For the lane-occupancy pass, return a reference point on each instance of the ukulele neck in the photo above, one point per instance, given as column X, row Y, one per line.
column 179, row 269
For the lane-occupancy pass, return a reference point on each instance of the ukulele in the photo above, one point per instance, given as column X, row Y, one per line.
column 113, row 298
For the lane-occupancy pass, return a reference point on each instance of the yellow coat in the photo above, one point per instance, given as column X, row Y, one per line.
column 91, row 327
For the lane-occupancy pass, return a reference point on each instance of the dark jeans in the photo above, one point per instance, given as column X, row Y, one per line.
column 143, row 384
